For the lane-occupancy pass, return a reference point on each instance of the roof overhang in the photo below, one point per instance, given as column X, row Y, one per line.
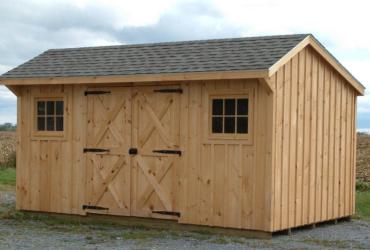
column 216, row 75
column 310, row 40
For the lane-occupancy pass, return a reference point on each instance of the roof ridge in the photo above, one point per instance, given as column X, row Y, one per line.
column 186, row 42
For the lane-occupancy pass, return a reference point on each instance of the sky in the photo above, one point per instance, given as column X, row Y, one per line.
column 29, row 27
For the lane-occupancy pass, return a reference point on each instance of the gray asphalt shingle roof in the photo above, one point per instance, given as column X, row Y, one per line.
column 250, row 53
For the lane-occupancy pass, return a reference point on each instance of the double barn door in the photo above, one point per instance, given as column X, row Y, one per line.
column 133, row 151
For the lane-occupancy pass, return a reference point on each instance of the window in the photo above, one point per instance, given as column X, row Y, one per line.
column 50, row 115
column 229, row 115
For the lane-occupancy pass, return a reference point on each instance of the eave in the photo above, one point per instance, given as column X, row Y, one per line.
column 193, row 76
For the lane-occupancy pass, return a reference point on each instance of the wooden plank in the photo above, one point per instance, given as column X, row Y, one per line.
column 270, row 152
column 79, row 116
column 247, row 187
column 348, row 149
column 261, row 173
column 307, row 138
column 278, row 148
column 141, row 78
column 233, row 187
column 193, row 167
column 183, row 165
column 332, row 126
column 313, row 114
column 45, row 161
column 20, row 188
column 343, row 121
column 34, row 177
column 206, row 191
column 219, row 180
column 319, row 141
column 292, row 108
column 23, row 189
column 337, row 146
column 326, row 145
column 354, row 119
column 300, row 134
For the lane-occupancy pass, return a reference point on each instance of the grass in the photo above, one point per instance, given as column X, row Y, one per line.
column 7, row 179
column 363, row 205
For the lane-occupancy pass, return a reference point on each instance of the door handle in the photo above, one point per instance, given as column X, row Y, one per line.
column 132, row 151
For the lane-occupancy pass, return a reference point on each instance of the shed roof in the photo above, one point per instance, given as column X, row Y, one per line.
column 249, row 57
column 251, row 53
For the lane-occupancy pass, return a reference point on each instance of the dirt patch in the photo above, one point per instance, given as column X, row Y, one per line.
column 363, row 157
column 8, row 142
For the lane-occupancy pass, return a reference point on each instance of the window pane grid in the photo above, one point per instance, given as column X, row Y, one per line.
column 230, row 115
column 50, row 115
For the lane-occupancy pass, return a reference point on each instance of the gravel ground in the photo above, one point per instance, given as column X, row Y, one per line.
column 26, row 233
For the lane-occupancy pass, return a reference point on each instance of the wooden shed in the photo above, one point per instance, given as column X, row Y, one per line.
column 251, row 133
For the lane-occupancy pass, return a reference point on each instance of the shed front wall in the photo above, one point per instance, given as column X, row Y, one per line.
column 314, row 143
column 220, row 182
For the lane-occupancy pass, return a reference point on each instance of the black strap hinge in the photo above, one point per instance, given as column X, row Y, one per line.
column 169, row 91
column 94, row 207
column 96, row 92
column 95, row 150
column 178, row 214
column 166, row 151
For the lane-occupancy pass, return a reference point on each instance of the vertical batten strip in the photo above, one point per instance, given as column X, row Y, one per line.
column 325, row 165
column 278, row 147
column 307, row 137
column 286, row 146
column 354, row 155
column 320, row 140
column 300, row 134
column 313, row 119
column 293, row 143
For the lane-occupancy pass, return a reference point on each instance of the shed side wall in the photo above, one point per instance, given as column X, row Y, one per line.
column 314, row 141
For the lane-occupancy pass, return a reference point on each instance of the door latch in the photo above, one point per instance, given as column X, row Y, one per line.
column 132, row 151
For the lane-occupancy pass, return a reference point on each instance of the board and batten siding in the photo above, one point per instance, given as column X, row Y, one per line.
column 224, row 183
column 50, row 175
column 313, row 143
column 228, row 182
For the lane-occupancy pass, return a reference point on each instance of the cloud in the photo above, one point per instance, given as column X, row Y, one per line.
column 30, row 27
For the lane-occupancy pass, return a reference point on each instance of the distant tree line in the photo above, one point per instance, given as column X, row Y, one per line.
column 8, row 127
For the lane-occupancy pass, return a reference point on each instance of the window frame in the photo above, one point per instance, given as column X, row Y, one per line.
column 45, row 134
column 231, row 94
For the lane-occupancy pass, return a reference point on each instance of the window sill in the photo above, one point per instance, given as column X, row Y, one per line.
column 49, row 136
column 229, row 139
